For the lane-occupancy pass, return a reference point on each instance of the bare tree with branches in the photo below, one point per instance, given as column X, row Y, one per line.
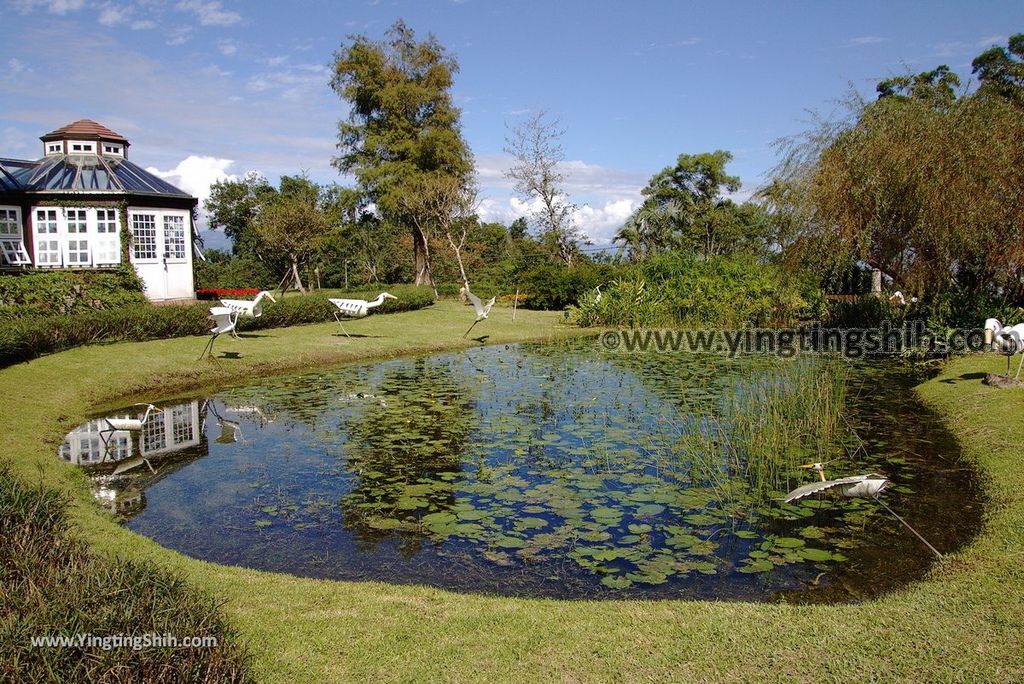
column 537, row 149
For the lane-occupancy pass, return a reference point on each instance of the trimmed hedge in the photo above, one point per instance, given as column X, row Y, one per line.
column 26, row 338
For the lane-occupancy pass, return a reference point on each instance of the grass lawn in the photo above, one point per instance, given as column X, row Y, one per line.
column 965, row 623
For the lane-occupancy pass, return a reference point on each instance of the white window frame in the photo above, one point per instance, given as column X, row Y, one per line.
column 83, row 147
column 175, row 245
column 113, row 149
column 48, row 255
column 107, row 243
column 12, row 240
column 154, row 217
column 54, row 148
column 77, row 239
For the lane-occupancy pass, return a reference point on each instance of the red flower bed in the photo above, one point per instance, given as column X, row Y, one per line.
column 220, row 293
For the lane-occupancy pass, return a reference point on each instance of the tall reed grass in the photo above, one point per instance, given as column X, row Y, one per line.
column 783, row 415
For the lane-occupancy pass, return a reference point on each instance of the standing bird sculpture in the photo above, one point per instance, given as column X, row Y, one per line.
column 224, row 320
column 481, row 309
column 357, row 308
column 1005, row 341
column 854, row 486
column 247, row 308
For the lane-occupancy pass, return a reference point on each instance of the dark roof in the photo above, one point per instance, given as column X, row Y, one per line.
column 84, row 128
column 83, row 173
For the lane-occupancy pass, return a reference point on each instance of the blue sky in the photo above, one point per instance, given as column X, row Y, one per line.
column 206, row 89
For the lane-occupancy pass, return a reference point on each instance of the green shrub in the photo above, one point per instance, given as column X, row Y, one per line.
column 676, row 289
column 40, row 561
column 553, row 286
column 42, row 293
column 222, row 271
column 28, row 337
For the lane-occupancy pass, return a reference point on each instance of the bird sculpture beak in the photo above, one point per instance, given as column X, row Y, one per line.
column 389, row 296
column 808, row 465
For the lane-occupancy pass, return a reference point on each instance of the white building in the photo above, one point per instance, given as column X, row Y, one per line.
column 71, row 208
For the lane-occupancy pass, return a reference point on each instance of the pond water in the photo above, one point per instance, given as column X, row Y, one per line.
column 542, row 470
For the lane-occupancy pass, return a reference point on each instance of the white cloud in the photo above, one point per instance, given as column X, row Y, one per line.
column 16, row 66
column 210, row 12
column 951, row 49
column 863, row 40
column 112, row 15
column 992, row 41
column 143, row 24
column 179, row 36
column 195, row 174
column 227, row 47
column 600, row 223
column 52, row 6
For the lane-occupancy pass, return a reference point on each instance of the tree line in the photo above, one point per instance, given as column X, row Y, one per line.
column 923, row 183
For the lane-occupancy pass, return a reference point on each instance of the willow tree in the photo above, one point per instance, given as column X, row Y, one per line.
column 402, row 125
column 931, row 195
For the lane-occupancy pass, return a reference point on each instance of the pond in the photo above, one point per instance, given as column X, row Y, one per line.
column 549, row 470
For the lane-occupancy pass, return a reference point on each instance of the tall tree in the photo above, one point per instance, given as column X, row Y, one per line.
column 232, row 206
column 292, row 224
column 402, row 125
column 936, row 88
column 536, row 148
column 1001, row 70
column 684, row 206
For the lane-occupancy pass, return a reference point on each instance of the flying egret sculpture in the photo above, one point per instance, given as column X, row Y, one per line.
column 481, row 309
column 1005, row 341
column 854, row 486
column 224, row 320
column 248, row 308
column 357, row 308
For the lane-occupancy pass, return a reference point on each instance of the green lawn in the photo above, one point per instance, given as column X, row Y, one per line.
column 965, row 623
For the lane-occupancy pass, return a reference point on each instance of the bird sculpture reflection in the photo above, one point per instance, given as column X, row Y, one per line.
column 248, row 308
column 1006, row 341
column 357, row 308
column 481, row 309
column 132, row 424
column 854, row 486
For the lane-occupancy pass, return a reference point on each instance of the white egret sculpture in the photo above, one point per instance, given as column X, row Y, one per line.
column 597, row 295
column 1005, row 341
column 248, row 308
column 224, row 321
column 854, row 486
column 357, row 308
column 481, row 309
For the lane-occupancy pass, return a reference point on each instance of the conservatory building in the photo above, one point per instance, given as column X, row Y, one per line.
column 83, row 205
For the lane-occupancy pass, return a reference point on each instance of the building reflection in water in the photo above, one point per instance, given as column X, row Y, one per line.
column 121, row 464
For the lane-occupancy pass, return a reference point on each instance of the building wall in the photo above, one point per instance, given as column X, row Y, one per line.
column 89, row 236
